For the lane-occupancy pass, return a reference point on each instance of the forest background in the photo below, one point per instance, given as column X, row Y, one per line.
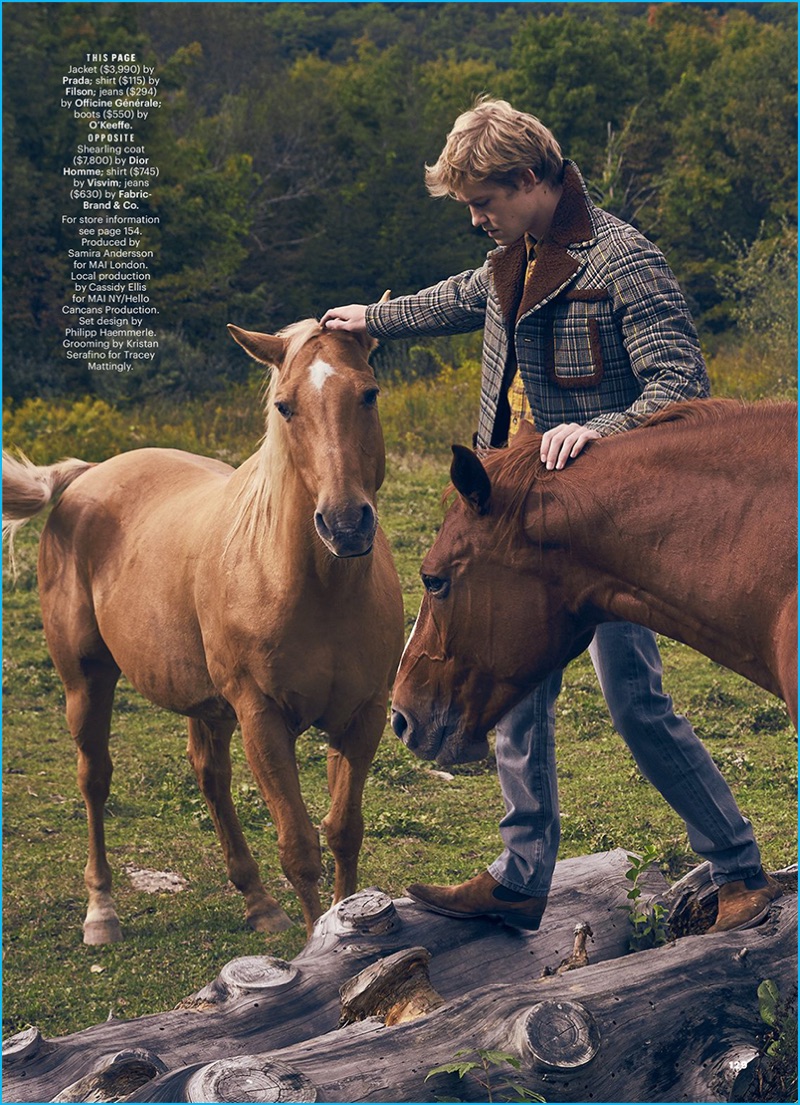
column 291, row 146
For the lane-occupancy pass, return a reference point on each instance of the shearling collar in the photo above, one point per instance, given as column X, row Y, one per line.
column 572, row 226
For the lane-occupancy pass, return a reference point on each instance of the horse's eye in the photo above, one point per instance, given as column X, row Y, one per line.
column 371, row 397
column 284, row 410
column 435, row 585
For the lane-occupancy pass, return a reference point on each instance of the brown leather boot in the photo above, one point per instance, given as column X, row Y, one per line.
column 482, row 896
column 744, row 903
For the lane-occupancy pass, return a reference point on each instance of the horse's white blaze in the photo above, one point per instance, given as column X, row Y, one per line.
column 411, row 634
column 319, row 372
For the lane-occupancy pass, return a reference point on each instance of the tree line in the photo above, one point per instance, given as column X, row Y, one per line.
column 293, row 136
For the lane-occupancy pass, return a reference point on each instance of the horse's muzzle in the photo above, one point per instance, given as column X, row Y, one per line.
column 446, row 744
column 347, row 531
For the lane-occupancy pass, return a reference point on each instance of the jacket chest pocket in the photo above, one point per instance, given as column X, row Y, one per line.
column 573, row 344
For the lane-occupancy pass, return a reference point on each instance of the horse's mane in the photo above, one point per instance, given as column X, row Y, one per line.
column 518, row 468
column 521, row 463
column 259, row 498
column 702, row 410
column 721, row 410
column 297, row 335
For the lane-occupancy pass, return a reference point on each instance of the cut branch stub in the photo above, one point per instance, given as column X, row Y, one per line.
column 115, row 1077
column 22, row 1046
column 249, row 1078
column 560, row 1035
column 250, row 973
column 396, row 989
column 370, row 912
column 730, row 1076
column 692, row 902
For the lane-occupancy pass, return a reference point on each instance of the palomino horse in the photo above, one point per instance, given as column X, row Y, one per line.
column 265, row 595
column 686, row 525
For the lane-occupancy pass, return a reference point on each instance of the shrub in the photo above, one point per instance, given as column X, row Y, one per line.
column 47, row 431
column 429, row 414
column 228, row 426
column 760, row 359
column 763, row 283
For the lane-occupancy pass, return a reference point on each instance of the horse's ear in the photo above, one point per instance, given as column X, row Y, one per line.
column 470, row 479
column 265, row 348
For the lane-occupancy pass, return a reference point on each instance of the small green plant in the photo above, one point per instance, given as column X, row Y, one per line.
column 777, row 1074
column 483, row 1064
column 648, row 921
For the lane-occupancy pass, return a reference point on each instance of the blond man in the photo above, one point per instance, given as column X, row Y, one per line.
column 586, row 334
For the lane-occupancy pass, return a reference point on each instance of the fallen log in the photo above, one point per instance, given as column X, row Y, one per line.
column 678, row 1022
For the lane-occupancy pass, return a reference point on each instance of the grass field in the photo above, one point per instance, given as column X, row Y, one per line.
column 420, row 825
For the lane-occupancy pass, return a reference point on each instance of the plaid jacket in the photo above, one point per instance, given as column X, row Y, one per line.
column 602, row 335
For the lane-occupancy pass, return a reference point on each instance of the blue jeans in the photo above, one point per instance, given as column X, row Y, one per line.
column 664, row 745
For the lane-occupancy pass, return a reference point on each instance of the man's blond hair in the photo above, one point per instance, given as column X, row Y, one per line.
column 492, row 142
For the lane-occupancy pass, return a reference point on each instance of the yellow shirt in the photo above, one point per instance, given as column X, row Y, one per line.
column 517, row 399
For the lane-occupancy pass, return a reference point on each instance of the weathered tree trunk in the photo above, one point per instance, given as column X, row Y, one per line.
column 678, row 1022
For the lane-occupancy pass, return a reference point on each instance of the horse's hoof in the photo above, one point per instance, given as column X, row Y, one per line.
column 271, row 919
column 107, row 931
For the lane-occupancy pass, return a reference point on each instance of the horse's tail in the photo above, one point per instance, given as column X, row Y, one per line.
column 28, row 488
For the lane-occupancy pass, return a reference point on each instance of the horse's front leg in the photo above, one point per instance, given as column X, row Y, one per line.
column 208, row 750
column 270, row 749
column 349, row 758
column 89, row 699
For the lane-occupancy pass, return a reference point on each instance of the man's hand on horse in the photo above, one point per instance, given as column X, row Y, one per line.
column 564, row 442
column 346, row 318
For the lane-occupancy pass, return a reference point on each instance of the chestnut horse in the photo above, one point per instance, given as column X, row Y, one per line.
column 686, row 525
column 265, row 595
